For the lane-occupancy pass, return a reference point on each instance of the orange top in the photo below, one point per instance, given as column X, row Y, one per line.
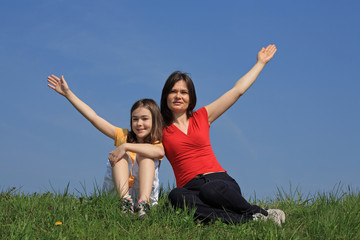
column 120, row 138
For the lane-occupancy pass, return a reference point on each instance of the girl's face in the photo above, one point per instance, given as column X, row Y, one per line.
column 178, row 98
column 141, row 123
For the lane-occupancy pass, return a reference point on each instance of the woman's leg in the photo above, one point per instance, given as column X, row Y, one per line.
column 189, row 196
column 222, row 191
column 146, row 176
column 121, row 177
column 226, row 194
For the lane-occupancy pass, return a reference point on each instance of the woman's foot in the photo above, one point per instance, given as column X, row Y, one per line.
column 276, row 215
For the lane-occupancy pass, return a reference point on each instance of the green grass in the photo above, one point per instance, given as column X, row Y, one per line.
column 334, row 215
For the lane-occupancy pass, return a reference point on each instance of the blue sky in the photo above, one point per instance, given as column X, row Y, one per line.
column 297, row 125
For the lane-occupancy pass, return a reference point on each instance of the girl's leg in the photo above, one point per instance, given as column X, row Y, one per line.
column 121, row 177
column 146, row 177
column 108, row 185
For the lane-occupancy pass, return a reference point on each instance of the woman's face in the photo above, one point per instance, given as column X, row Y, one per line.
column 141, row 123
column 178, row 98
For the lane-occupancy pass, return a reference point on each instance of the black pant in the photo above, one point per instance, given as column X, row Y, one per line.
column 215, row 196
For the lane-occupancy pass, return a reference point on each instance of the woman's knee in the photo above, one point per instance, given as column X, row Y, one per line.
column 179, row 197
column 176, row 196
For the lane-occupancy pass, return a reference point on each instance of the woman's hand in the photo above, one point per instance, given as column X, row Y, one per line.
column 223, row 103
column 59, row 85
column 117, row 154
column 265, row 54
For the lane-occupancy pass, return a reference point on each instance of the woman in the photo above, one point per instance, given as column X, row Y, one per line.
column 201, row 181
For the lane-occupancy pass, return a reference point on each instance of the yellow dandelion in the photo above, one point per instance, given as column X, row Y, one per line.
column 58, row 223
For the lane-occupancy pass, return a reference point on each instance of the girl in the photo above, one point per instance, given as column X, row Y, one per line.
column 201, row 181
column 138, row 151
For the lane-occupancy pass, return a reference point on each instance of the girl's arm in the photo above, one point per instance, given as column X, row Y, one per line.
column 61, row 87
column 219, row 106
column 144, row 149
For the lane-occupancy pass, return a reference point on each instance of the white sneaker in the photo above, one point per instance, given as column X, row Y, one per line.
column 276, row 215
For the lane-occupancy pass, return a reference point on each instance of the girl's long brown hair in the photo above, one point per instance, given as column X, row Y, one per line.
column 157, row 121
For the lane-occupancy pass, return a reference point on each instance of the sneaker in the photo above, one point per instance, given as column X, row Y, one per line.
column 127, row 205
column 259, row 217
column 142, row 208
column 276, row 215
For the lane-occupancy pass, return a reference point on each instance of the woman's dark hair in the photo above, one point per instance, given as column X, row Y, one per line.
column 157, row 121
column 169, row 84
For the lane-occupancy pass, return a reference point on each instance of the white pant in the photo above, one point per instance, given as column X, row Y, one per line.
column 109, row 185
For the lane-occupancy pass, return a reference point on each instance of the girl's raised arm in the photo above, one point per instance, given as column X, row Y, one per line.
column 61, row 87
column 219, row 106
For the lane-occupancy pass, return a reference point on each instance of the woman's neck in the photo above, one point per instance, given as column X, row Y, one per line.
column 181, row 121
column 180, row 118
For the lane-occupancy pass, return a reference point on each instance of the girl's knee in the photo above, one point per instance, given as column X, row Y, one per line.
column 140, row 158
column 145, row 163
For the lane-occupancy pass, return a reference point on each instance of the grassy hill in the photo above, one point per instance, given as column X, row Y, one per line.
column 334, row 215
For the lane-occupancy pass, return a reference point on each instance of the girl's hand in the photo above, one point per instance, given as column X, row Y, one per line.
column 265, row 54
column 59, row 85
column 117, row 154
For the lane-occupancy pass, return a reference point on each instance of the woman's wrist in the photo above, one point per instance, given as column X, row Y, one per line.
column 68, row 94
column 260, row 63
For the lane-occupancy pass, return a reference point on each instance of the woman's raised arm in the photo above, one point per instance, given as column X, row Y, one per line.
column 61, row 87
column 223, row 103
